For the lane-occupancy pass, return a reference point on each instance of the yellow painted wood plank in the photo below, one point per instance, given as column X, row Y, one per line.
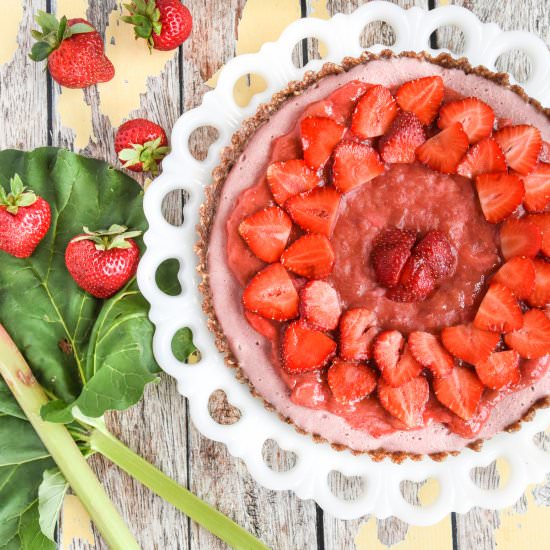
column 75, row 523
column 11, row 17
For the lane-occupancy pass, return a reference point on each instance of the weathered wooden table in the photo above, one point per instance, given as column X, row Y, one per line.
column 35, row 112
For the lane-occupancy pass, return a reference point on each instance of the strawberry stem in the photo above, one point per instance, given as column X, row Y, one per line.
column 117, row 236
column 18, row 197
column 145, row 16
column 148, row 154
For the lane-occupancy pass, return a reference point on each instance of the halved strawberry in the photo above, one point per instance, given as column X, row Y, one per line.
column 374, row 113
column 319, row 137
column 519, row 237
column 422, row 97
column 469, row 343
column 533, row 339
column 444, row 151
column 540, row 296
column 310, row 256
column 537, row 188
column 387, row 351
column 290, row 177
column 320, row 305
column 544, row 155
column 460, row 391
column 305, row 349
column 357, row 334
column 392, row 249
column 542, row 221
column 499, row 194
column 427, row 350
column 482, row 158
column 476, row 117
column 266, row 233
column 404, row 136
column 315, row 210
column 271, row 294
column 518, row 274
column 521, row 146
column 435, row 249
column 350, row 382
column 406, row 402
column 499, row 310
column 416, row 281
column 499, row 370
column 354, row 164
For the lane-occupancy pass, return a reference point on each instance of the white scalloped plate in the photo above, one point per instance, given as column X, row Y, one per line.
column 181, row 171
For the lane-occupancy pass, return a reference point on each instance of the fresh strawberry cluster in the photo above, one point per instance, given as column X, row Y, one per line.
column 346, row 148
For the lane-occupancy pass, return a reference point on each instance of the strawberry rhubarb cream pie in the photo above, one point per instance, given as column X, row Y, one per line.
column 375, row 255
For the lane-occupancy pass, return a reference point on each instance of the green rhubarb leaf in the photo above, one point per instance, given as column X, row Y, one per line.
column 51, row 493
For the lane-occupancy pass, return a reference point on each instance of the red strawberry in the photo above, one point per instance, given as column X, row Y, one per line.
column 476, row 117
column 415, row 283
column 406, row 402
column 482, row 158
column 518, row 274
column 519, row 237
column 271, row 294
column 102, row 262
column 533, row 339
column 460, row 391
column 315, row 210
column 357, row 333
column 310, row 256
column 24, row 219
column 320, row 305
column 74, row 49
column 374, row 113
column 422, row 97
column 289, row 178
column 545, row 152
column 537, row 188
column 435, row 249
column 266, row 233
column 262, row 325
column 350, row 382
column 165, row 24
column 499, row 310
column 499, row 369
column 540, row 296
column 140, row 145
column 354, row 164
column 392, row 249
column 387, row 351
column 499, row 195
column 444, row 151
column 469, row 343
column 427, row 350
column 305, row 349
column 319, row 138
column 542, row 221
column 521, row 146
column 400, row 142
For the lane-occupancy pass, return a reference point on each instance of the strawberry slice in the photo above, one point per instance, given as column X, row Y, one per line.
column 305, row 349
column 540, row 296
column 350, row 382
column 520, row 237
column 262, row 325
column 476, row 117
column 392, row 249
column 537, row 188
column 533, row 339
column 288, row 178
column 422, row 97
column 415, row 283
column 310, row 256
column 499, row 195
column 387, row 352
column 271, row 294
column 499, row 310
column 518, row 274
column 434, row 248
column 320, row 305
column 521, row 146
column 357, row 334
column 427, row 350
column 315, row 210
column 542, row 221
column 545, row 152
column 499, row 369
column 319, row 137
column 406, row 402
column 374, row 113
column 482, row 158
column 460, row 391
column 266, row 233
column 400, row 142
column 354, row 164
column 444, row 151
column 469, row 343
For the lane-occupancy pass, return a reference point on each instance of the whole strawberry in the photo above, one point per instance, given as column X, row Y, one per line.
column 74, row 49
column 140, row 145
column 165, row 24
column 24, row 219
column 102, row 262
